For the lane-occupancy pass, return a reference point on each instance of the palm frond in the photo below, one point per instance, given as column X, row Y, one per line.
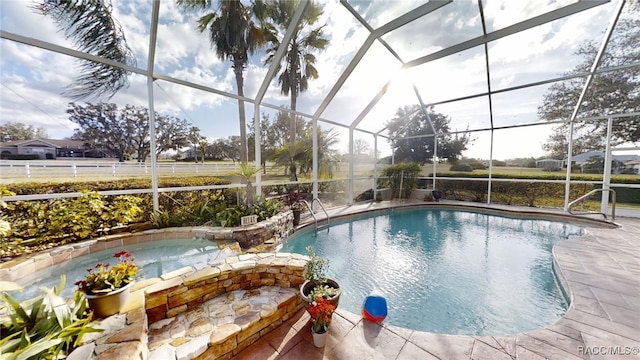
column 94, row 30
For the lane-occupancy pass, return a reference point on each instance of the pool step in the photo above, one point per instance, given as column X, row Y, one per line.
column 223, row 325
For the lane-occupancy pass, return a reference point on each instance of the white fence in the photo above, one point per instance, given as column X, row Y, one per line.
column 19, row 170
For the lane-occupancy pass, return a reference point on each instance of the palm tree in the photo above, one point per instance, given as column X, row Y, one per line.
column 234, row 35
column 298, row 66
column 94, row 30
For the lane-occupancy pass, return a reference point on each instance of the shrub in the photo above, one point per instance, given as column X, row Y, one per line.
column 403, row 173
column 46, row 327
column 461, row 167
column 68, row 219
column 20, row 156
column 476, row 165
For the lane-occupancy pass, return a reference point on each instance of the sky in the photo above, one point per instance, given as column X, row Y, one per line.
column 32, row 79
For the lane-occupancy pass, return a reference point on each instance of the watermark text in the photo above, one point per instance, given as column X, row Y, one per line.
column 609, row 350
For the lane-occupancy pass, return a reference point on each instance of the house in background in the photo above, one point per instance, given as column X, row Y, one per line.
column 620, row 162
column 550, row 164
column 49, row 148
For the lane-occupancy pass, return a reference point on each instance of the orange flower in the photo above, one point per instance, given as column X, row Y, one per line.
column 321, row 311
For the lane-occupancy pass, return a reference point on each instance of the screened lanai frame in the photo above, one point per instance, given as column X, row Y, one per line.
column 376, row 35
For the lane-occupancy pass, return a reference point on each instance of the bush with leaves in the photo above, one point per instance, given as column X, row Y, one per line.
column 405, row 174
column 68, row 219
column 46, row 327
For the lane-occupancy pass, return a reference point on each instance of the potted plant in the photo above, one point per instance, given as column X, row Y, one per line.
column 295, row 204
column 321, row 311
column 316, row 284
column 107, row 287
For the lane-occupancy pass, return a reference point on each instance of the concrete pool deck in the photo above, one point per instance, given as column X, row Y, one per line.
column 600, row 271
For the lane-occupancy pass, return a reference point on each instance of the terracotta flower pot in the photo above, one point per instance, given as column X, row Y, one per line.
column 107, row 304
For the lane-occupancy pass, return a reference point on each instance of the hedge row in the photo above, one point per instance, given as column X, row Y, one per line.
column 125, row 184
column 527, row 193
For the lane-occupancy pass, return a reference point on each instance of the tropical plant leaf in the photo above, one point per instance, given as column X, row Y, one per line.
column 37, row 348
column 94, row 30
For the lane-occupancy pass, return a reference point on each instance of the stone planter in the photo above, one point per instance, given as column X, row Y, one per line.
column 107, row 304
column 307, row 286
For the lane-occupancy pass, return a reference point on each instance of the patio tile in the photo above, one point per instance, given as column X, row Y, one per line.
column 258, row 350
column 589, row 305
column 611, row 297
column 622, row 315
column 444, row 346
column 411, row 351
column 482, row 351
column 525, row 354
column 557, row 340
column 369, row 341
column 283, row 338
column 507, row 343
column 546, row 349
column 304, row 350
column 593, row 321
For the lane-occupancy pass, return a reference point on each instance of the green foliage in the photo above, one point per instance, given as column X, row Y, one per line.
column 32, row 188
column 403, row 173
column 5, row 226
column 461, row 167
column 105, row 278
column 12, row 131
column 323, row 291
column 164, row 218
column 46, row 327
column 232, row 215
column 410, row 129
column 316, row 268
column 69, row 219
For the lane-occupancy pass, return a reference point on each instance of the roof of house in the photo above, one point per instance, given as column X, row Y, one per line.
column 584, row 157
column 53, row 142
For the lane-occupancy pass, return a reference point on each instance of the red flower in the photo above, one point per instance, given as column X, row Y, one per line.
column 105, row 278
column 321, row 311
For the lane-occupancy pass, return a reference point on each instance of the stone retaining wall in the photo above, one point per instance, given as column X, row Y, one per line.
column 171, row 298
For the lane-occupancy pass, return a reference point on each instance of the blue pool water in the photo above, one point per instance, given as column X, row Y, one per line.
column 443, row 271
column 153, row 258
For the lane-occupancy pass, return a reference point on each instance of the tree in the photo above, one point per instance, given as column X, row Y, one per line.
column 234, row 35
column 360, row 147
column 195, row 139
column 94, row 30
column 136, row 122
column 302, row 154
column 101, row 127
column 225, row 149
column 13, row 131
column 614, row 92
column 172, row 133
column 298, row 65
column 420, row 149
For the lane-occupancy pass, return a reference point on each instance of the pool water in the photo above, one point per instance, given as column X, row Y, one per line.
column 443, row 271
column 153, row 258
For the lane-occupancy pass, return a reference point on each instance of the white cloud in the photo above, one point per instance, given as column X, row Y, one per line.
column 184, row 53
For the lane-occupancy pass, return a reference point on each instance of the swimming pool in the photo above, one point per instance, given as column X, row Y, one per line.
column 446, row 271
column 153, row 258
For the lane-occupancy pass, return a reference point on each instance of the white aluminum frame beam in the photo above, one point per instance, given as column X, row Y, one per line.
column 509, row 30
column 594, row 67
column 152, row 118
column 284, row 44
